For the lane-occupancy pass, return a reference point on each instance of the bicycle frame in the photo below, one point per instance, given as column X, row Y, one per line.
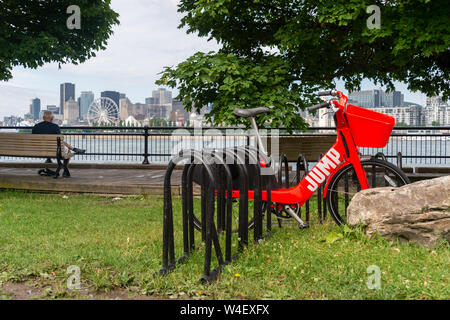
column 344, row 152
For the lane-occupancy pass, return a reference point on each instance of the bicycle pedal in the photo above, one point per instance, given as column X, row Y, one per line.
column 303, row 226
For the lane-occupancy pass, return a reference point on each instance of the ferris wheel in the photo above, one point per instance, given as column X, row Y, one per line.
column 103, row 111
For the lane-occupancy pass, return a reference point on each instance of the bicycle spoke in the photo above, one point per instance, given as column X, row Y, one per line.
column 346, row 191
column 390, row 181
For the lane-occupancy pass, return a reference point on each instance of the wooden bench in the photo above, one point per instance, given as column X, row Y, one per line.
column 311, row 146
column 49, row 146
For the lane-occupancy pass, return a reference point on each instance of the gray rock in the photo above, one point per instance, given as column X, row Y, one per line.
column 418, row 212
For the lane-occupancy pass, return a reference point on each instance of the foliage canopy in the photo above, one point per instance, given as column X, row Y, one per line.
column 35, row 32
column 279, row 52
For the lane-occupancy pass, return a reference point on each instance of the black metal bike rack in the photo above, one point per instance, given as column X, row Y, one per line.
column 217, row 177
column 302, row 163
column 219, row 172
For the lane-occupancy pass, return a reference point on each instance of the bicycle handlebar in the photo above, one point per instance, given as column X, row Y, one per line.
column 325, row 104
column 327, row 93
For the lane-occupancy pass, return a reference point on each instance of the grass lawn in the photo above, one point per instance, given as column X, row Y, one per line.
column 117, row 245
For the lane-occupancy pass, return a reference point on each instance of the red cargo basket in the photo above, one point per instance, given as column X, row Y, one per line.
column 369, row 128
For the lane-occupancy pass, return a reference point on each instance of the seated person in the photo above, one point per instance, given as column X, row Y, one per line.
column 48, row 127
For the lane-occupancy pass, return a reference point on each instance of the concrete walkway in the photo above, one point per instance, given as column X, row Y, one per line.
column 121, row 179
column 99, row 181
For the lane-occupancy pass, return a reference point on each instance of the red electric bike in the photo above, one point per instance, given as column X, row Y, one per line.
column 343, row 170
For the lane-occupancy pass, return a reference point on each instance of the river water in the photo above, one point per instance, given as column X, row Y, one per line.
column 419, row 151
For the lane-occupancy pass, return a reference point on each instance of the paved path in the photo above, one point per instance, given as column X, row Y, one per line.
column 101, row 181
column 137, row 179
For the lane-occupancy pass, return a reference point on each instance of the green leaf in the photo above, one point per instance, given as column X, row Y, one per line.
column 333, row 237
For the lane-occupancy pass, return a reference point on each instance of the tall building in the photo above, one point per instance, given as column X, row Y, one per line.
column 398, row 98
column 366, row 99
column 113, row 95
column 377, row 98
column 71, row 111
column 150, row 100
column 437, row 111
column 53, row 109
column 410, row 115
column 127, row 109
column 158, row 111
column 86, row 99
column 141, row 109
column 178, row 107
column 162, row 97
column 435, row 101
column 35, row 108
column 66, row 93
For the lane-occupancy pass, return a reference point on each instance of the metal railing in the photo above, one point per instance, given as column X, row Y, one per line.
column 418, row 145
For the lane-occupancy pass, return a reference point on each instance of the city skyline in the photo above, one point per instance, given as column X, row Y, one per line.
column 408, row 97
column 161, row 105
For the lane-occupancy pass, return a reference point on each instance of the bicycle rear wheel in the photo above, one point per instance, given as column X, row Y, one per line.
column 345, row 184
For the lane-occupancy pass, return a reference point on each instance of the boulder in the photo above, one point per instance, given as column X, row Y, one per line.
column 418, row 212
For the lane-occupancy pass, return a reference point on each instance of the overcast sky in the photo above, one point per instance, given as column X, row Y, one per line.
column 146, row 40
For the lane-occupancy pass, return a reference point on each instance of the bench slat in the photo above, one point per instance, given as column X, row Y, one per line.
column 28, row 154
column 30, row 145
column 27, row 143
column 311, row 147
column 29, row 136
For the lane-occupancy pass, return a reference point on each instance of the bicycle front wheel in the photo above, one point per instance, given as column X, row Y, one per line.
column 345, row 184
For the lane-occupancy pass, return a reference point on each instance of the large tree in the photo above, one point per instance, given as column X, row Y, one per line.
column 37, row 31
column 279, row 52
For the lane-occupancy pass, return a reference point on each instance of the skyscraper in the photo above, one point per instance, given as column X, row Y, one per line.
column 53, row 109
column 35, row 108
column 66, row 93
column 150, row 100
column 162, row 97
column 71, row 111
column 377, row 98
column 86, row 98
column 367, row 98
column 113, row 95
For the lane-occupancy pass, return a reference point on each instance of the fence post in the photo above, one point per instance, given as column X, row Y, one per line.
column 146, row 146
column 399, row 160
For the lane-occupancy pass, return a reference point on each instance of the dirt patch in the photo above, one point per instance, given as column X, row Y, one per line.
column 29, row 291
column 19, row 291
column 120, row 294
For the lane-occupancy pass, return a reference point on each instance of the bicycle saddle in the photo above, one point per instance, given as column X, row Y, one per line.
column 248, row 113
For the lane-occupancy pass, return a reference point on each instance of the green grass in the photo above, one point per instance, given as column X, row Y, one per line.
column 118, row 244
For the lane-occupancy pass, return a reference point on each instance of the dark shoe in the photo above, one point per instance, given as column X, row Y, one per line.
column 66, row 174
column 79, row 151
column 46, row 173
column 48, row 161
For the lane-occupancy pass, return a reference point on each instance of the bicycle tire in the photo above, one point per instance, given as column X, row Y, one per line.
column 336, row 184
